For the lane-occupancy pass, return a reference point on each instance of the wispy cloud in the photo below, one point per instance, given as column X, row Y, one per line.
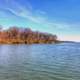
column 37, row 16
column 26, row 12
column 20, row 10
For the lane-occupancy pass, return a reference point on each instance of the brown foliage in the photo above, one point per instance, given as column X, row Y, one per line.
column 15, row 35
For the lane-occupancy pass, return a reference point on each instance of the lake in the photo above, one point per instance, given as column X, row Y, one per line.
column 40, row 62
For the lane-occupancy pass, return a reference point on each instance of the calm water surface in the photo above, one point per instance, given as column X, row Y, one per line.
column 40, row 62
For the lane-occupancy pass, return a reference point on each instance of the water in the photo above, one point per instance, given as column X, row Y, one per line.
column 40, row 62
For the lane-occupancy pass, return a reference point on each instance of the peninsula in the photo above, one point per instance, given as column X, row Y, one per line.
column 15, row 35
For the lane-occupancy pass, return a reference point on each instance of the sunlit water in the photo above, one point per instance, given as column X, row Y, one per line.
column 40, row 62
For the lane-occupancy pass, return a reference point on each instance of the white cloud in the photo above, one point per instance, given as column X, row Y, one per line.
column 37, row 16
column 24, row 12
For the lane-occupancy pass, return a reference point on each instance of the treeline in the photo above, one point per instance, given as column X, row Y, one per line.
column 15, row 35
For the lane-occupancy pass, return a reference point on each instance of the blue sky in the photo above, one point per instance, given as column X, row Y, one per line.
column 60, row 17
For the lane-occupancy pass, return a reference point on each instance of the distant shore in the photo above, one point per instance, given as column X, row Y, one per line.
column 15, row 35
column 23, row 42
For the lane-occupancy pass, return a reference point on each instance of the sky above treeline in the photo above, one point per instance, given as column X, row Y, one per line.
column 60, row 17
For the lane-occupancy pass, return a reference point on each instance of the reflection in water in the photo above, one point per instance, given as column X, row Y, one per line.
column 40, row 62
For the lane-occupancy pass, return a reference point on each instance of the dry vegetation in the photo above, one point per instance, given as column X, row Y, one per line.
column 15, row 35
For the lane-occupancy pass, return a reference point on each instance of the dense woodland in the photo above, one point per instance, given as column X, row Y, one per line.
column 15, row 35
